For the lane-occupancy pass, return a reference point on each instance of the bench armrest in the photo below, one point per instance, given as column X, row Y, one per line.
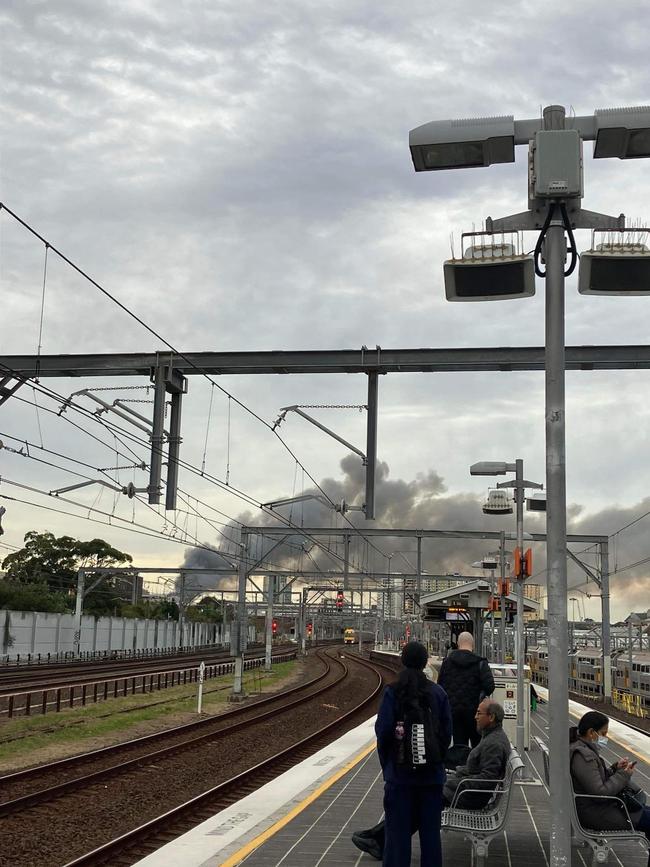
column 608, row 798
column 463, row 790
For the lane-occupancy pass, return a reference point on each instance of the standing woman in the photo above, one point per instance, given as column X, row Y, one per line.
column 593, row 776
column 412, row 793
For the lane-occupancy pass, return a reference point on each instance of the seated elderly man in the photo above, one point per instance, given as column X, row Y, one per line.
column 485, row 764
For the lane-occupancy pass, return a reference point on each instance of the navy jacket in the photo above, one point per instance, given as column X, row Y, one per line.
column 385, row 731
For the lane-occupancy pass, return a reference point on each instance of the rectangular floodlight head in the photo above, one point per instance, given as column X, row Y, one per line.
column 462, row 144
column 622, row 133
column 536, row 503
column 615, row 269
column 497, row 279
column 489, row 468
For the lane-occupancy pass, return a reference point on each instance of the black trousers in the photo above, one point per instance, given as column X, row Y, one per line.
column 464, row 727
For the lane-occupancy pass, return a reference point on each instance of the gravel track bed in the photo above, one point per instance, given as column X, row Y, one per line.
column 9, row 790
column 52, row 834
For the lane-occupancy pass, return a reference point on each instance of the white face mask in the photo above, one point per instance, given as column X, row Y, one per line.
column 602, row 741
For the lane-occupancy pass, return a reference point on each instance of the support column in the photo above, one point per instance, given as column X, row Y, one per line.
column 520, row 652
column 239, row 627
column 606, row 618
column 346, row 562
column 181, row 610
column 555, row 255
column 361, row 617
column 418, row 591
column 303, row 621
column 173, row 450
column 371, row 446
column 78, row 608
column 270, row 593
column 157, row 436
column 502, row 573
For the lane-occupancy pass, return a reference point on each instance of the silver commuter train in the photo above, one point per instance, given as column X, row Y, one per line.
column 585, row 675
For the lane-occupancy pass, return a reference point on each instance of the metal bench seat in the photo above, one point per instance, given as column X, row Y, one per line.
column 480, row 826
column 599, row 840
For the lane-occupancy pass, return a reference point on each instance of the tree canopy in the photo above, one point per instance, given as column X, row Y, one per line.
column 51, row 564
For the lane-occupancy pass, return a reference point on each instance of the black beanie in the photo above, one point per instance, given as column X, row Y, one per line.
column 415, row 655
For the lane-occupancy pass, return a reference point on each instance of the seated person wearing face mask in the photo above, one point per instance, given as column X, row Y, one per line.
column 591, row 775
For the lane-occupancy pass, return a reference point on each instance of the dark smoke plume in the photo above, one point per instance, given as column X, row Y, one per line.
column 424, row 503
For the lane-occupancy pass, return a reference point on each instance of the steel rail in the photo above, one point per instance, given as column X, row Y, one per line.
column 225, row 793
column 155, row 737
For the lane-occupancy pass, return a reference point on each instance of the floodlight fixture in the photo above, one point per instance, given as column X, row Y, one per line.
column 536, row 503
column 622, row 133
column 489, row 271
column 490, row 468
column 616, row 267
column 463, row 144
column 498, row 503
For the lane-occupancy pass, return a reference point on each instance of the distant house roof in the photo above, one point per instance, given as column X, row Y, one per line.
column 639, row 617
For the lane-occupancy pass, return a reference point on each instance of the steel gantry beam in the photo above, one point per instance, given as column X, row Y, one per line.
column 508, row 358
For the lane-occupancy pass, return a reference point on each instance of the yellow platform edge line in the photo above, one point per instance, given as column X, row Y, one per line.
column 277, row 826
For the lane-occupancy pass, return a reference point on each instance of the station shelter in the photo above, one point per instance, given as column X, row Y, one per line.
column 464, row 607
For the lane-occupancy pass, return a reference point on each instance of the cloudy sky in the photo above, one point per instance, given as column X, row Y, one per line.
column 237, row 174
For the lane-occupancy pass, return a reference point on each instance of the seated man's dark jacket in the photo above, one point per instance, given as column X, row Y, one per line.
column 466, row 678
column 386, row 743
column 485, row 764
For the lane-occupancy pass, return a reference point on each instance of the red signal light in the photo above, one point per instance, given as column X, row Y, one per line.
column 309, row 628
column 339, row 599
column 274, row 627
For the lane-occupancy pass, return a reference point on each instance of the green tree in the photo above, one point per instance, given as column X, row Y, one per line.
column 51, row 564
column 31, row 597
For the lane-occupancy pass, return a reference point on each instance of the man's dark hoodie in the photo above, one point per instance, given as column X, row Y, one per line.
column 467, row 679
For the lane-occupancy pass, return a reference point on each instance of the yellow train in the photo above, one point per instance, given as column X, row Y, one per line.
column 350, row 636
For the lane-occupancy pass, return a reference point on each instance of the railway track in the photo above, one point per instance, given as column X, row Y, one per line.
column 41, row 800
column 36, row 698
column 65, row 674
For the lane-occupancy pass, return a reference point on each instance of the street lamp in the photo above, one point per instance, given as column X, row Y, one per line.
column 555, row 190
column 494, row 468
column 573, row 600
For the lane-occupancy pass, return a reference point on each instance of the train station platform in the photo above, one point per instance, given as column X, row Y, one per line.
column 307, row 815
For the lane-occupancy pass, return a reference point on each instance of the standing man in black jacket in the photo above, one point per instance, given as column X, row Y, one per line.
column 467, row 680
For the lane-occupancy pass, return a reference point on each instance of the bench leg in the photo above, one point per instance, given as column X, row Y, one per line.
column 600, row 855
column 479, row 852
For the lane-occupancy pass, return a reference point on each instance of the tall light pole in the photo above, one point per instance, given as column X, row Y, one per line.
column 496, row 468
column 573, row 600
column 492, row 270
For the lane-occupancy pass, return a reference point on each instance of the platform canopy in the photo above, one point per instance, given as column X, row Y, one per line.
column 469, row 597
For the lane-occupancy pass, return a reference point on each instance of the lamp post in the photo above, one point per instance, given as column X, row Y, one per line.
column 495, row 271
column 494, row 468
column 573, row 601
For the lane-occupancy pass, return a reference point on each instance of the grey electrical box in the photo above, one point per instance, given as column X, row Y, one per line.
column 557, row 164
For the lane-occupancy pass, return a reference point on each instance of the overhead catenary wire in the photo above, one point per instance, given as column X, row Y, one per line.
column 112, row 427
column 175, row 351
column 193, row 469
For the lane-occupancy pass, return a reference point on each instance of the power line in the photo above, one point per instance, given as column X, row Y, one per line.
column 175, row 351
column 112, row 427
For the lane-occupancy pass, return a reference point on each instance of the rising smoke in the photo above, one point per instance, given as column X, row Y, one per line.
column 425, row 503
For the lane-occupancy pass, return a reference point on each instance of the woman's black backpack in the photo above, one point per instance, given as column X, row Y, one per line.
column 419, row 746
